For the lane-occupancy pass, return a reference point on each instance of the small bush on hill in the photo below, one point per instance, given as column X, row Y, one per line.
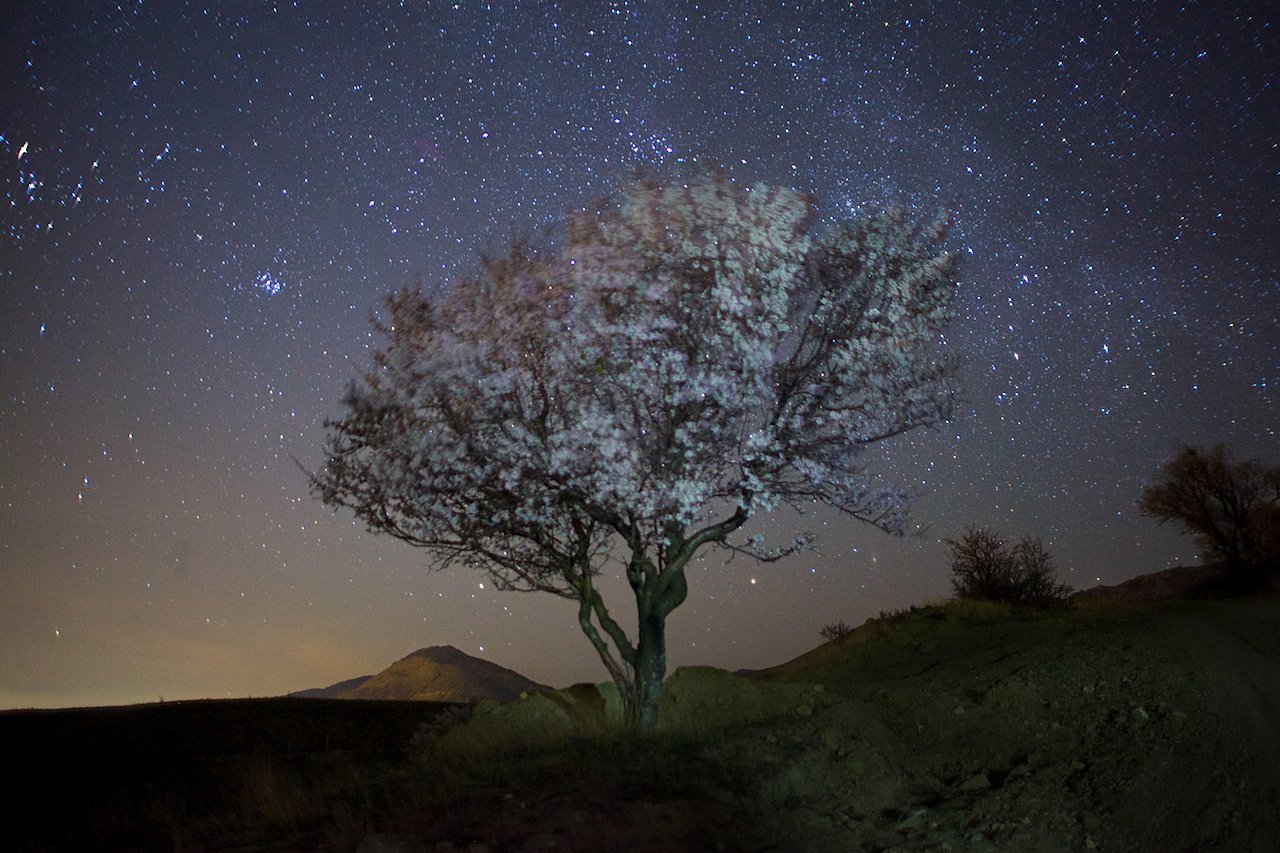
column 835, row 630
column 985, row 567
column 901, row 611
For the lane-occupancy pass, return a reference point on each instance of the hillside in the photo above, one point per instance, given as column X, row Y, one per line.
column 333, row 691
column 1123, row 724
column 1131, row 728
column 1135, row 726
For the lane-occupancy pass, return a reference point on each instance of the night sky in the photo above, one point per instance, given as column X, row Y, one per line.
column 203, row 205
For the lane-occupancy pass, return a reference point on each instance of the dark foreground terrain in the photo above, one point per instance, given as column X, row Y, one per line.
column 1113, row 726
column 216, row 774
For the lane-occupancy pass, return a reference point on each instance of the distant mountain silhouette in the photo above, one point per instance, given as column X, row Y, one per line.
column 1178, row 582
column 333, row 691
column 434, row 674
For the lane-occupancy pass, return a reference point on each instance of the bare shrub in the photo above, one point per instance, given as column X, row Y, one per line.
column 985, row 567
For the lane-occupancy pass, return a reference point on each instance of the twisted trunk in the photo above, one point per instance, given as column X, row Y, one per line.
column 638, row 670
column 650, row 670
column 660, row 586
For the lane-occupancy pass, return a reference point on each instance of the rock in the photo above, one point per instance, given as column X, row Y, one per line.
column 913, row 822
column 977, row 782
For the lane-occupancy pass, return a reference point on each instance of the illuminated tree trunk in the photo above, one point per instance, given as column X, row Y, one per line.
column 650, row 670
column 638, row 668
column 657, row 594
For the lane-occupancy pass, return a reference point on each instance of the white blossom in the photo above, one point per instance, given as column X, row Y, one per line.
column 686, row 356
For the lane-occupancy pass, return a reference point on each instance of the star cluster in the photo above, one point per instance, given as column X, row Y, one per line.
column 201, row 207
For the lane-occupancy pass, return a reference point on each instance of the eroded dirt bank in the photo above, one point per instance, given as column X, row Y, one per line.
column 1150, row 728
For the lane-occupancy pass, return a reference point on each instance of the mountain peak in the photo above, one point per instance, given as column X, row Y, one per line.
column 438, row 674
column 441, row 654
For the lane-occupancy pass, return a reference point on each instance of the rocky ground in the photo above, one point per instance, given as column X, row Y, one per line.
column 1145, row 729
column 1118, row 725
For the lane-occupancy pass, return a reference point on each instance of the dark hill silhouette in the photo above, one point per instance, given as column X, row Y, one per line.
column 434, row 674
column 1175, row 583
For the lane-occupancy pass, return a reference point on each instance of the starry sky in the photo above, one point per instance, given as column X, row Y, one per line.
column 203, row 205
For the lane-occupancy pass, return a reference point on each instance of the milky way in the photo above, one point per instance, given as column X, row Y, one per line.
column 203, row 208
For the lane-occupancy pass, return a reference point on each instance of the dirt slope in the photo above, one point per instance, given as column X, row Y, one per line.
column 1145, row 728
column 1149, row 726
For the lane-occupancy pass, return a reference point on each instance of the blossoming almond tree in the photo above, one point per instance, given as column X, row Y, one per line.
column 687, row 355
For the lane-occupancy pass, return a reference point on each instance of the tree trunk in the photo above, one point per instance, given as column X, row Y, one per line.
column 650, row 669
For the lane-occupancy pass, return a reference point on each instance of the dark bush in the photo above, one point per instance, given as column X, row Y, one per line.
column 835, row 630
column 985, row 567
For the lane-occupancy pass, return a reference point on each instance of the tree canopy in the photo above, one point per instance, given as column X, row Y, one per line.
column 1231, row 508
column 685, row 355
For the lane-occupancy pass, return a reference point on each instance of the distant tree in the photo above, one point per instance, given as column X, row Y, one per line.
column 1231, row 509
column 984, row 566
column 686, row 355
column 979, row 564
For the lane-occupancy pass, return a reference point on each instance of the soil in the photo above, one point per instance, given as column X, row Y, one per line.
column 1116, row 725
column 1147, row 729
